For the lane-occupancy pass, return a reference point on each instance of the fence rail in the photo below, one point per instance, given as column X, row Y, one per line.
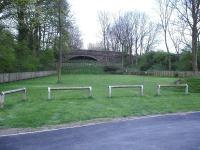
column 167, row 73
column 9, row 77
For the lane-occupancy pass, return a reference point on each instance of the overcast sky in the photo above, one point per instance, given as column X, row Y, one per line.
column 85, row 14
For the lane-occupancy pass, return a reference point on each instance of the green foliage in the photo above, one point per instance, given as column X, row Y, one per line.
column 153, row 61
column 30, row 64
column 7, row 51
column 37, row 24
column 111, row 68
column 47, row 60
column 185, row 61
column 194, row 84
column 47, row 57
column 159, row 61
column 25, row 60
column 83, row 68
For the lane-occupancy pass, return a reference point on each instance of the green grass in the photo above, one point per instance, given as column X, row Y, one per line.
column 194, row 84
column 73, row 106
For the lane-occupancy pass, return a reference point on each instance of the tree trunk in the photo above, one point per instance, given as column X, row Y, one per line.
column 194, row 36
column 22, row 28
column 136, row 54
column 169, row 55
column 122, row 57
column 194, row 49
column 59, row 70
column 130, row 55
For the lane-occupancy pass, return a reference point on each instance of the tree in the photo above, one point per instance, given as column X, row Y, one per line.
column 104, row 21
column 4, row 6
column 151, row 39
column 7, row 51
column 132, row 33
column 189, row 13
column 119, row 32
column 35, row 25
column 165, row 13
column 63, row 13
column 176, row 38
column 75, row 41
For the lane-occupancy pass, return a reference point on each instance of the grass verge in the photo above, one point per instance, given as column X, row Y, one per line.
column 73, row 106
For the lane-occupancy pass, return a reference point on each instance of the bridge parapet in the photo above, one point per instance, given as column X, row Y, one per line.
column 100, row 56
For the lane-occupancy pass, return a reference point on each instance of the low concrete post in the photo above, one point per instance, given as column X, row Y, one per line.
column 49, row 93
column 158, row 90
column 25, row 94
column 186, row 89
column 142, row 90
column 90, row 91
column 109, row 91
column 1, row 100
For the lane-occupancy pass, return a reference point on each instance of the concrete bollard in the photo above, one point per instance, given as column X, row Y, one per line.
column 1, row 100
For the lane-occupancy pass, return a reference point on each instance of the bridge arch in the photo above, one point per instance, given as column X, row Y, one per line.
column 102, row 57
column 83, row 57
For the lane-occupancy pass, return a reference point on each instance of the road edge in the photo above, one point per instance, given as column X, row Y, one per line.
column 23, row 131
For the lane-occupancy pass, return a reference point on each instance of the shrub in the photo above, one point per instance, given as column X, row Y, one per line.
column 83, row 68
column 194, row 84
column 111, row 69
column 7, row 51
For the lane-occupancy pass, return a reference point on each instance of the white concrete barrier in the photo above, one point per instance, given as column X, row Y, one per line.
column 176, row 85
column 4, row 93
column 89, row 88
column 125, row 86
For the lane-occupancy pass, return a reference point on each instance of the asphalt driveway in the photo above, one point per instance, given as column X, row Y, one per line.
column 169, row 132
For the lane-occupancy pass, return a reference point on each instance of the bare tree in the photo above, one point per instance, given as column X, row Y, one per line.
column 120, row 35
column 104, row 21
column 189, row 13
column 113, row 40
column 75, row 41
column 95, row 46
column 62, row 33
column 132, row 33
column 151, row 39
column 165, row 13
column 176, row 37
column 140, row 32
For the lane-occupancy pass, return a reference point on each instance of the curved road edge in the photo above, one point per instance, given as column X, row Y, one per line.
column 23, row 131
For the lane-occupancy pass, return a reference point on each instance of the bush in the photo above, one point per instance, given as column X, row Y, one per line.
column 7, row 51
column 25, row 60
column 185, row 61
column 194, row 84
column 153, row 61
column 47, row 60
column 111, row 69
column 83, row 68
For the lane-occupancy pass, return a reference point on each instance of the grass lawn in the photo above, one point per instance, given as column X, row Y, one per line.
column 73, row 106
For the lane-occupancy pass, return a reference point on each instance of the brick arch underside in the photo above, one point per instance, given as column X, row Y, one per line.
column 83, row 57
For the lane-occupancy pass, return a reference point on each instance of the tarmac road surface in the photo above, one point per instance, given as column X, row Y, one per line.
column 168, row 132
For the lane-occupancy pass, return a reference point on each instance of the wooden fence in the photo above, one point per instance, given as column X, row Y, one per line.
column 8, row 77
column 167, row 73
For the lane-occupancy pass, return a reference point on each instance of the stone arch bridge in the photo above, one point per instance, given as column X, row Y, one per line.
column 99, row 56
